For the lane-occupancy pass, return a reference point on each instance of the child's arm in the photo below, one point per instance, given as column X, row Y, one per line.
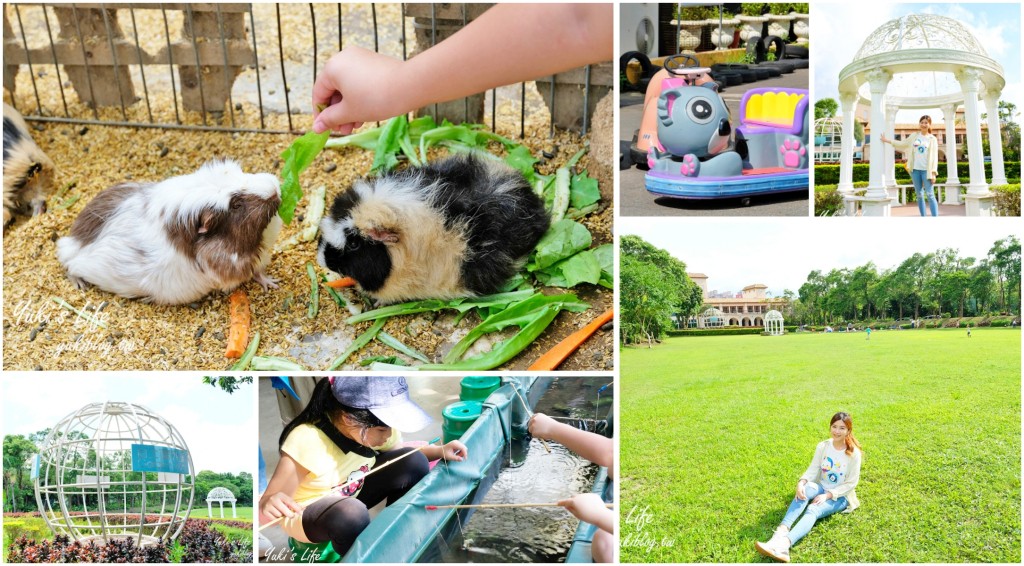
column 594, row 447
column 590, row 508
column 454, row 450
column 507, row 44
column 277, row 500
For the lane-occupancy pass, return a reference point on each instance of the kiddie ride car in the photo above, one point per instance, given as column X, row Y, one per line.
column 698, row 155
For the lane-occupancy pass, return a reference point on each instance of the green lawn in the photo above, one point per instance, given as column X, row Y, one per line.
column 199, row 512
column 716, row 431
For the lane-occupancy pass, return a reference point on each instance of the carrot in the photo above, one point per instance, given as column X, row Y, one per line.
column 341, row 283
column 238, row 331
column 555, row 356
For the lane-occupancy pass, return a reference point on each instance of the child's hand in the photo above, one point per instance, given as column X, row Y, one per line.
column 356, row 86
column 541, row 425
column 455, row 450
column 587, row 507
column 279, row 505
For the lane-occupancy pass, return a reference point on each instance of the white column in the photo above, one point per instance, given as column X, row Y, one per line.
column 209, row 509
column 234, row 513
column 949, row 118
column 849, row 140
column 970, row 84
column 995, row 137
column 879, row 80
column 890, row 151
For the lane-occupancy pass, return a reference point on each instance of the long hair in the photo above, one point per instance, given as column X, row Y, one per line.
column 921, row 119
column 324, row 408
column 851, row 441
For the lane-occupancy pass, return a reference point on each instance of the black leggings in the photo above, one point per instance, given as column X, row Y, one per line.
column 340, row 519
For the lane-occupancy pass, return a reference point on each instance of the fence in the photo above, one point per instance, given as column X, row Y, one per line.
column 245, row 67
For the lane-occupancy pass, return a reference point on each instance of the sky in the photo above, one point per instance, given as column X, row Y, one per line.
column 737, row 252
column 997, row 27
column 218, row 428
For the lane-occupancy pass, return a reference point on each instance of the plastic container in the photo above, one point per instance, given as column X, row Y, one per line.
column 458, row 417
column 478, row 388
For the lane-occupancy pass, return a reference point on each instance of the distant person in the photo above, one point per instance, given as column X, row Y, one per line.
column 968, row 330
column 827, row 487
column 868, row 330
column 922, row 151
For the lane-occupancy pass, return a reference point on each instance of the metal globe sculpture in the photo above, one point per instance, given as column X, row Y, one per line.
column 114, row 471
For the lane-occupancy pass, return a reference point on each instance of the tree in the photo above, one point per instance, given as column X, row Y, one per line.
column 646, row 301
column 689, row 296
column 17, row 450
column 1005, row 258
column 858, row 131
column 825, row 108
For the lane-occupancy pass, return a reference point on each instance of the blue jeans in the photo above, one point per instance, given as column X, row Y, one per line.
column 814, row 512
column 922, row 184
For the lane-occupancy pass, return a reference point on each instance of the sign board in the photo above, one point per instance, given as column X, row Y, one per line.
column 149, row 458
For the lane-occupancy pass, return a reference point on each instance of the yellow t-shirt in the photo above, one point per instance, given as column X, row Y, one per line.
column 328, row 466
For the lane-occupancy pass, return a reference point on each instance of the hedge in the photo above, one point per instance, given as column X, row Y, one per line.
column 829, row 174
column 718, row 331
column 1007, row 199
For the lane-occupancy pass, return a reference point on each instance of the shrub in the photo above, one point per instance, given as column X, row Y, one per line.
column 1007, row 199
column 829, row 174
column 204, row 544
column 999, row 323
column 62, row 549
column 827, row 201
column 718, row 331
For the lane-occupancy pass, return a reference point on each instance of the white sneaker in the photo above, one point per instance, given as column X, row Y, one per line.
column 777, row 548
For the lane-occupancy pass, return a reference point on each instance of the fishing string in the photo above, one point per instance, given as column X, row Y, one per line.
column 451, row 488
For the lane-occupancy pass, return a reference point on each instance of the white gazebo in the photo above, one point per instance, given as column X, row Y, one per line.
column 711, row 318
column 827, row 140
column 220, row 495
column 773, row 323
column 920, row 62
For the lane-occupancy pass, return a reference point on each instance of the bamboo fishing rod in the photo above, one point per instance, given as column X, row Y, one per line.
column 499, row 505
column 350, row 482
column 529, row 412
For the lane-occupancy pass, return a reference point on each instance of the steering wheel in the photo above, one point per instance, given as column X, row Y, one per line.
column 677, row 63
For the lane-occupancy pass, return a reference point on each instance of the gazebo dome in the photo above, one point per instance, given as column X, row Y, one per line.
column 220, row 494
column 828, row 133
column 920, row 31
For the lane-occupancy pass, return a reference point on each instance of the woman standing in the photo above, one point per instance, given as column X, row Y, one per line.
column 922, row 151
column 827, row 485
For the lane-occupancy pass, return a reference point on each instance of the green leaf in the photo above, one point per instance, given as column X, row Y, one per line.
column 392, row 360
column 583, row 191
column 297, row 157
column 522, row 160
column 580, row 268
column 606, row 257
column 390, row 143
column 562, row 240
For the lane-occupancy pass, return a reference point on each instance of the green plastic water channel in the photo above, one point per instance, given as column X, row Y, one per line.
column 404, row 530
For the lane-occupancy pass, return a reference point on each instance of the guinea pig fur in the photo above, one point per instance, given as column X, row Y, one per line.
column 175, row 241
column 457, row 227
column 28, row 172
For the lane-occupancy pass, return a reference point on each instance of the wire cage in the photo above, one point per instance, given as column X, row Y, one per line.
column 114, row 471
column 238, row 67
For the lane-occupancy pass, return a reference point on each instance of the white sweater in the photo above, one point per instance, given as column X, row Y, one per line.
column 906, row 147
column 848, row 472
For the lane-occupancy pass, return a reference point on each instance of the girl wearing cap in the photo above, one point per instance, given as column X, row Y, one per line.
column 350, row 426
column 826, row 488
column 922, row 151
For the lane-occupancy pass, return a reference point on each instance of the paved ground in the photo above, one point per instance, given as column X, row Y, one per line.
column 636, row 201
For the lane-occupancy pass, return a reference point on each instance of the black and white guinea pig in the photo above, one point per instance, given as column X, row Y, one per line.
column 28, row 172
column 175, row 241
column 457, row 227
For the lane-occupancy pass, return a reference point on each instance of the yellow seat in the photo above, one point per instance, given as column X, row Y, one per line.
column 775, row 109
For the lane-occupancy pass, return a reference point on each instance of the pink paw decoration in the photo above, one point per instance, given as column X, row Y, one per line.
column 690, row 166
column 791, row 151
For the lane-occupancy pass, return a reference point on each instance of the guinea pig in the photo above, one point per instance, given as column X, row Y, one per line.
column 457, row 227
column 174, row 241
column 28, row 172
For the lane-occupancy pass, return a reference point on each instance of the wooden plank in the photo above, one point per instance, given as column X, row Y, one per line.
column 209, row 7
column 210, row 54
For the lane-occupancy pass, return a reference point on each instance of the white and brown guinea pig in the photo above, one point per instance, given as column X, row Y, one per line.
column 28, row 172
column 457, row 227
column 175, row 241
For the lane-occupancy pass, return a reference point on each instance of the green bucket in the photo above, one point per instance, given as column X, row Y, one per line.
column 478, row 388
column 313, row 552
column 458, row 417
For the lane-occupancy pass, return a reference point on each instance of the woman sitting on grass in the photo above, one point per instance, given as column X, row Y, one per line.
column 828, row 485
